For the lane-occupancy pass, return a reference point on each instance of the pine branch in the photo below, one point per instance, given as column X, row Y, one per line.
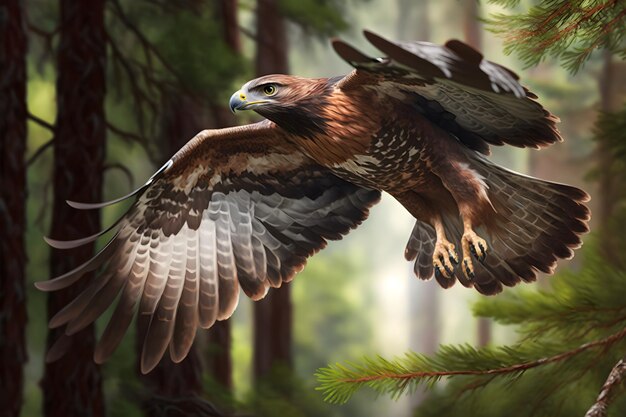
column 129, row 175
column 133, row 137
column 339, row 382
column 574, row 299
column 40, row 151
column 41, row 122
column 609, row 390
column 149, row 48
column 566, row 30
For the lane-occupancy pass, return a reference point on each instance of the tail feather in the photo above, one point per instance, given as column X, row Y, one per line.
column 536, row 223
column 420, row 247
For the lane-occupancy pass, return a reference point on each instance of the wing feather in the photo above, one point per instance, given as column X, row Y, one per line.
column 239, row 206
column 126, row 306
column 187, row 314
column 162, row 322
column 209, row 297
column 228, row 287
column 453, row 86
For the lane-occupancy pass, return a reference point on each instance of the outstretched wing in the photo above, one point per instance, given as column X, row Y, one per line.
column 237, row 207
column 478, row 101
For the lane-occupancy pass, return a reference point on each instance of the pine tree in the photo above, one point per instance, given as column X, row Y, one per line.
column 572, row 336
column 72, row 383
column 13, row 116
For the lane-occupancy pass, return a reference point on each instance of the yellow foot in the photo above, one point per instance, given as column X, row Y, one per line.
column 445, row 259
column 473, row 245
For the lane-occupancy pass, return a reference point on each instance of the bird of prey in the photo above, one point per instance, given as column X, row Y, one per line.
column 244, row 207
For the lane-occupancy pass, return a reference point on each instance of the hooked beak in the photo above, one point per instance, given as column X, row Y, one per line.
column 238, row 102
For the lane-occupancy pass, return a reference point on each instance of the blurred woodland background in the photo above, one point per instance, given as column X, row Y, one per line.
column 95, row 95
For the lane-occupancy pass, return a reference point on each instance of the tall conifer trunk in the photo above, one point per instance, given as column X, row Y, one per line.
column 273, row 314
column 171, row 381
column 12, row 205
column 218, row 358
column 72, row 385
column 472, row 33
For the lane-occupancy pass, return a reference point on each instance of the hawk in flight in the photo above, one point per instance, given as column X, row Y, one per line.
column 244, row 207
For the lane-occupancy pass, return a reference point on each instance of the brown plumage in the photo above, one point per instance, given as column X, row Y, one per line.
column 244, row 207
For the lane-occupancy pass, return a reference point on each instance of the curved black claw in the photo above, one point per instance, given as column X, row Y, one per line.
column 468, row 270
column 437, row 272
column 453, row 260
column 483, row 253
column 473, row 251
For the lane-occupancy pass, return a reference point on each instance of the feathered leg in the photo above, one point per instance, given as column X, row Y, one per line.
column 472, row 245
column 445, row 258
column 469, row 190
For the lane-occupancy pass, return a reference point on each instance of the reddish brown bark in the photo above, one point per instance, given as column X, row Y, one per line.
column 12, row 205
column 218, row 358
column 273, row 314
column 171, row 381
column 73, row 385
column 607, row 188
column 271, row 53
column 472, row 32
column 227, row 14
column 174, row 384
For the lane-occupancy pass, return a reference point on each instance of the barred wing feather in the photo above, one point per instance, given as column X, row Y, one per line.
column 235, row 208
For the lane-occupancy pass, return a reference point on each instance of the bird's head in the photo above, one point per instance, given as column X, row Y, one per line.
column 293, row 103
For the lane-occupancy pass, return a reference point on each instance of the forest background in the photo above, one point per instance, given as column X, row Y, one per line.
column 138, row 78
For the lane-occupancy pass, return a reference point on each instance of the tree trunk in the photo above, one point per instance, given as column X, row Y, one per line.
column 413, row 20
column 271, row 52
column 72, row 385
column 273, row 314
column 227, row 15
column 607, row 188
column 12, row 205
column 472, row 33
column 218, row 358
column 424, row 296
column 174, row 384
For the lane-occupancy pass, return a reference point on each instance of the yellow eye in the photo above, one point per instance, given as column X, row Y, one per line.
column 269, row 90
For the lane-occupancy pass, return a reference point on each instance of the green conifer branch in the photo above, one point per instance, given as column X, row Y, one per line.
column 397, row 376
column 569, row 30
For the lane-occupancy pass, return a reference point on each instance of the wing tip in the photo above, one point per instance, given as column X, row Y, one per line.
column 465, row 51
column 377, row 40
column 348, row 52
column 147, row 365
column 41, row 285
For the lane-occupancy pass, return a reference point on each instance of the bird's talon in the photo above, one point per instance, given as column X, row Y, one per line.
column 449, row 271
column 445, row 259
column 469, row 268
column 474, row 245
column 483, row 252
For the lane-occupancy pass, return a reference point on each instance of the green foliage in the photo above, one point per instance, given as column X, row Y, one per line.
column 197, row 50
column 576, row 326
column 316, row 17
column 282, row 393
column 331, row 309
column 563, row 29
column 610, row 130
